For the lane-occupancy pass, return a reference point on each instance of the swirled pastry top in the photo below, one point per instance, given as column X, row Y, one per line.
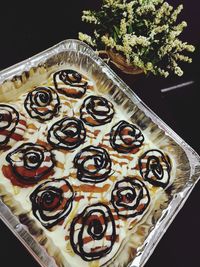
column 80, row 170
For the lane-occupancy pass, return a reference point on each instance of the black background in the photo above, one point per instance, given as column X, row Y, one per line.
column 28, row 29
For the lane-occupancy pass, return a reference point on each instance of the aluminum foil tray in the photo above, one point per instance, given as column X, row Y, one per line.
column 74, row 54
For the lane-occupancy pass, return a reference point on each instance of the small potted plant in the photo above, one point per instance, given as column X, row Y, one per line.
column 139, row 36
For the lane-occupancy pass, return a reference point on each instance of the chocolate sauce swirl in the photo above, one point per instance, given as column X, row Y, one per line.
column 70, row 83
column 130, row 197
column 96, row 111
column 125, row 137
column 155, row 168
column 9, row 119
column 30, row 163
column 93, row 232
column 68, row 133
column 42, row 103
column 52, row 202
column 93, row 164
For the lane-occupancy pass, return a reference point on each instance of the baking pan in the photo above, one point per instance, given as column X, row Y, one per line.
column 73, row 54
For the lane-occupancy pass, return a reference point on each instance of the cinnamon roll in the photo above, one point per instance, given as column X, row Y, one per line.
column 42, row 103
column 70, row 83
column 12, row 125
column 52, row 202
column 68, row 133
column 130, row 197
column 96, row 111
column 93, row 164
column 155, row 167
column 125, row 137
column 28, row 164
column 93, row 232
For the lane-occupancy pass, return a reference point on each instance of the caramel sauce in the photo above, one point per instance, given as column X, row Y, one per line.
column 113, row 178
column 42, row 143
column 87, row 239
column 16, row 190
column 71, row 91
column 69, row 249
column 67, row 237
column 23, row 122
column 78, row 198
column 72, row 214
column 136, row 167
column 91, row 188
column 91, row 121
column 153, row 189
column 106, row 147
column 120, row 163
column 60, row 165
column 16, row 137
column 140, row 207
column 94, row 263
column 93, row 134
column 8, row 173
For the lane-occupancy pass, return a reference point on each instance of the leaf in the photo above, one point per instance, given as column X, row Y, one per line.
column 130, row 28
column 116, row 33
column 116, row 29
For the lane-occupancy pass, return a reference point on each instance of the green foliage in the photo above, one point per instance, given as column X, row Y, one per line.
column 144, row 31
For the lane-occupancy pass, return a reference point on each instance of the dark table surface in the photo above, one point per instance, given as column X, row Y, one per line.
column 29, row 29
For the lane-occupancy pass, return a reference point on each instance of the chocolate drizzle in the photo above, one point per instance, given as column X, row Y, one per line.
column 93, row 164
column 70, row 83
column 93, row 233
column 130, row 197
column 125, row 137
column 155, row 168
column 30, row 163
column 42, row 103
column 96, row 111
column 52, row 202
column 68, row 133
column 9, row 119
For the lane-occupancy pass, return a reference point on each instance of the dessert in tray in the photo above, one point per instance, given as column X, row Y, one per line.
column 86, row 180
